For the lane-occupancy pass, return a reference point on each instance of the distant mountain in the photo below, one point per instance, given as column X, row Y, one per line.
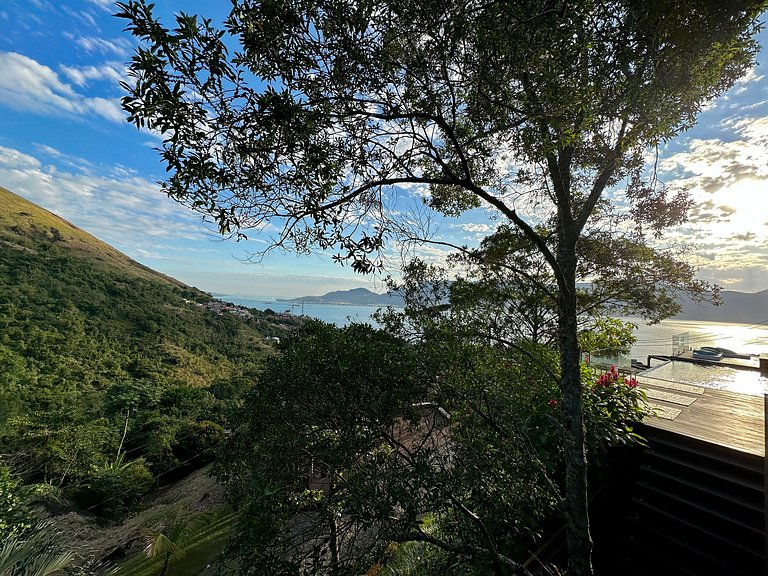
column 737, row 307
column 354, row 297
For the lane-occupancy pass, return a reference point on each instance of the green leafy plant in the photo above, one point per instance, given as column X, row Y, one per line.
column 613, row 407
column 169, row 542
column 114, row 489
column 15, row 516
column 35, row 553
column 181, row 541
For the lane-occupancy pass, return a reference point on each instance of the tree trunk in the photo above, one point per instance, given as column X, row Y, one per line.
column 576, row 513
column 334, row 534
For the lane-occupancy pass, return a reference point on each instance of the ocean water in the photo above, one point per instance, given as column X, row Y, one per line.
column 655, row 339
column 741, row 338
column 337, row 314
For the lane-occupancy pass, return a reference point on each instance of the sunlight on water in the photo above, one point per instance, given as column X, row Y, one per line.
column 719, row 377
column 741, row 338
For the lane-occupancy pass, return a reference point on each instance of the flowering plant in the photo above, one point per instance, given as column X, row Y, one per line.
column 613, row 406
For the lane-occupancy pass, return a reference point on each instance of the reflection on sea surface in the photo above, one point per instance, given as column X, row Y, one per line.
column 720, row 377
column 741, row 338
column 656, row 339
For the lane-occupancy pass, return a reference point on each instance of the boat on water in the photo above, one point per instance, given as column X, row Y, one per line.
column 709, row 353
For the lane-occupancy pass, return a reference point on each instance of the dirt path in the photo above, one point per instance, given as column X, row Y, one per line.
column 198, row 492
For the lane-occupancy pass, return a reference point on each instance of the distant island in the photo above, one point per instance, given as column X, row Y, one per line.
column 737, row 307
column 353, row 297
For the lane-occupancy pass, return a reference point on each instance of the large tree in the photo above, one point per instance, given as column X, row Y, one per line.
column 328, row 111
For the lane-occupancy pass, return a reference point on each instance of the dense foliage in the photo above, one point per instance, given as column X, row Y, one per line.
column 357, row 442
column 330, row 119
column 112, row 378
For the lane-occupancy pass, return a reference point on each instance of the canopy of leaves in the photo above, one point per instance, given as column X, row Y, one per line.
column 326, row 110
column 354, row 438
column 311, row 114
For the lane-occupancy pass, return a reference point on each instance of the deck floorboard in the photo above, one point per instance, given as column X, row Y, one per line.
column 719, row 417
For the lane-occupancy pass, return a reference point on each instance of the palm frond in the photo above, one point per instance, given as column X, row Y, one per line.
column 35, row 554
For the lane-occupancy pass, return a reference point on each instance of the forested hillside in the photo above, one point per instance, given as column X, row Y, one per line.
column 113, row 378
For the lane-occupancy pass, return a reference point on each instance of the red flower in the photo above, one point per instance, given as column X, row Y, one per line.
column 631, row 382
column 552, row 402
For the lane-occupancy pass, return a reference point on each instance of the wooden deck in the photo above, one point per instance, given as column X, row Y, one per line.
column 719, row 417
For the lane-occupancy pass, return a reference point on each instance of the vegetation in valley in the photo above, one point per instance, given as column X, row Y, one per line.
column 114, row 379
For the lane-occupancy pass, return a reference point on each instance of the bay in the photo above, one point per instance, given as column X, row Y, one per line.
column 338, row 314
column 651, row 340
column 657, row 339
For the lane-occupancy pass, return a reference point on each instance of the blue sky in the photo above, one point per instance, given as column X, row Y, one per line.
column 65, row 145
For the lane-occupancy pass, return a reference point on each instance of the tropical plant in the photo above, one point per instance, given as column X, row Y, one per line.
column 180, row 540
column 115, row 487
column 35, row 553
column 171, row 541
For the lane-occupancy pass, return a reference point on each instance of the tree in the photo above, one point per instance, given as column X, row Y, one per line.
column 313, row 461
column 534, row 110
column 343, row 449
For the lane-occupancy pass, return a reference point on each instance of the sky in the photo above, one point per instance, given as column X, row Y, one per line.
column 65, row 145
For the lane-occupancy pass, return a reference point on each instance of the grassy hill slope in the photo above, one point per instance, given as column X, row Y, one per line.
column 25, row 226
column 113, row 377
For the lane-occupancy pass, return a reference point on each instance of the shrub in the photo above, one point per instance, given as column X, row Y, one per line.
column 114, row 489
column 15, row 517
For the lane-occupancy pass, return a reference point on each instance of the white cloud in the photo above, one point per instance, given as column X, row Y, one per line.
column 14, row 160
column 74, row 162
column 27, row 85
column 85, row 16
column 106, row 108
column 104, row 4
column 727, row 179
column 42, row 5
column 476, row 228
column 714, row 164
column 753, row 130
column 82, row 75
column 750, row 77
column 127, row 211
column 94, row 44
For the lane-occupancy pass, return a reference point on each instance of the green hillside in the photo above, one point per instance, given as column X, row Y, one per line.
column 113, row 377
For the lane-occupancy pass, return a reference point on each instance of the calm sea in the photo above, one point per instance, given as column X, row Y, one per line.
column 338, row 314
column 741, row 338
column 656, row 339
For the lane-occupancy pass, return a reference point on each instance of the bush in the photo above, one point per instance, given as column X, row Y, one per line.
column 114, row 489
column 15, row 517
column 613, row 407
